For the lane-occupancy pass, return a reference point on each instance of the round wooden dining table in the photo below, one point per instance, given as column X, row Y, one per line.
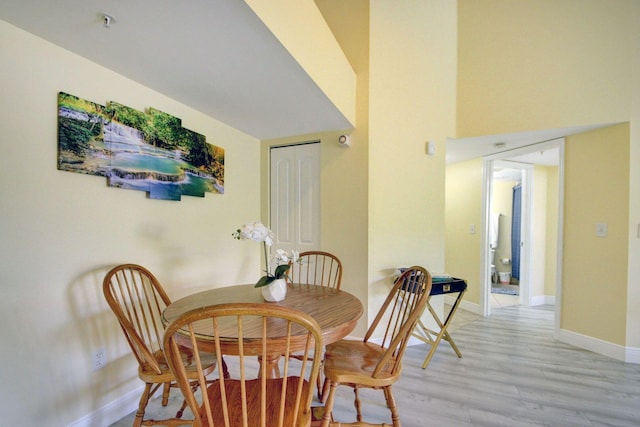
column 336, row 311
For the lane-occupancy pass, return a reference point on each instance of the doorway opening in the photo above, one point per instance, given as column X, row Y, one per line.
column 505, row 231
column 532, row 259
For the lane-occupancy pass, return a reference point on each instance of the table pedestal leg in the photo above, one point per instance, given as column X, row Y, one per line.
column 270, row 363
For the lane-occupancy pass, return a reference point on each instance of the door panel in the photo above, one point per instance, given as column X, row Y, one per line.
column 281, row 196
column 295, row 196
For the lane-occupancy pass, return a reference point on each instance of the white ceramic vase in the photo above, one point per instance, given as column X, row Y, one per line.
column 275, row 291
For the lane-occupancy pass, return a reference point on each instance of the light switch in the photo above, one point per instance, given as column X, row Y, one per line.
column 472, row 229
column 601, row 229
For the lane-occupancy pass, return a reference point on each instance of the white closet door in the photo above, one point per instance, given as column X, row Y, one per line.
column 295, row 196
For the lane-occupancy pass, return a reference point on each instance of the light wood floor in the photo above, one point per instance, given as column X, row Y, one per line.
column 512, row 373
column 501, row 300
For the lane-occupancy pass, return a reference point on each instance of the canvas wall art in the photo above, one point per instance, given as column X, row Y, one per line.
column 146, row 151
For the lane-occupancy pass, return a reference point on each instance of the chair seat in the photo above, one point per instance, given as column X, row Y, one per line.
column 350, row 361
column 147, row 374
column 273, row 393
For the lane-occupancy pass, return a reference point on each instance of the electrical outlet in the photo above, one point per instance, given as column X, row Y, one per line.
column 99, row 359
column 602, row 229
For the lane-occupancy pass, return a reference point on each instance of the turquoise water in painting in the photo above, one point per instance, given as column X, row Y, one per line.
column 139, row 166
column 148, row 162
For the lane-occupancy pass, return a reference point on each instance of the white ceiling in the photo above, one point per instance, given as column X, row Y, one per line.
column 213, row 55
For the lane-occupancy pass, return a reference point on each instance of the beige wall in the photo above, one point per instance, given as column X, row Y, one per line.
column 464, row 208
column 541, row 64
column 534, row 64
column 594, row 300
column 411, row 101
column 61, row 230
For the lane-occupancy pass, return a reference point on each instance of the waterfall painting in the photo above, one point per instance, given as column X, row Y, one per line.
column 146, row 151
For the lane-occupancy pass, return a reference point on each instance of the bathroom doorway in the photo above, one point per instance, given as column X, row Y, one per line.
column 505, row 228
column 540, row 231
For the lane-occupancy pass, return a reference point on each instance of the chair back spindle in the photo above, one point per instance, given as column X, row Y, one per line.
column 250, row 332
column 316, row 268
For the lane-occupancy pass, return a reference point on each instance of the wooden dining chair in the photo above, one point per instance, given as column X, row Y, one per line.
column 248, row 330
column 316, row 268
column 137, row 299
column 376, row 361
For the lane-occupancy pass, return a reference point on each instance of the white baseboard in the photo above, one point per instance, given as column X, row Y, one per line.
column 543, row 300
column 615, row 351
column 632, row 355
column 465, row 305
column 111, row 412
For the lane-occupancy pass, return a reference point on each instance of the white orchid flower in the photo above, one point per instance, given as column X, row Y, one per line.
column 282, row 255
column 255, row 231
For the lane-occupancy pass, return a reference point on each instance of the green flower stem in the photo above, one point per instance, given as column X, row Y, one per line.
column 266, row 259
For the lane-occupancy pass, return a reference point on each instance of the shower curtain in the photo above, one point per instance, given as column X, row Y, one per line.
column 516, row 213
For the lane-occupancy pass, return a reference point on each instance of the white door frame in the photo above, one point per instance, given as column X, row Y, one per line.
column 487, row 191
column 525, row 239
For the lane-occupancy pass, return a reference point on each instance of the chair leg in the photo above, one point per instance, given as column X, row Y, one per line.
column 391, row 404
column 166, row 389
column 144, row 399
column 194, row 388
column 182, row 408
column 357, row 404
column 325, row 391
column 328, row 407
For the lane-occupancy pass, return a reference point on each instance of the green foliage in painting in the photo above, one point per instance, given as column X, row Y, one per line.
column 74, row 135
column 126, row 115
column 163, row 130
column 79, row 130
column 158, row 152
